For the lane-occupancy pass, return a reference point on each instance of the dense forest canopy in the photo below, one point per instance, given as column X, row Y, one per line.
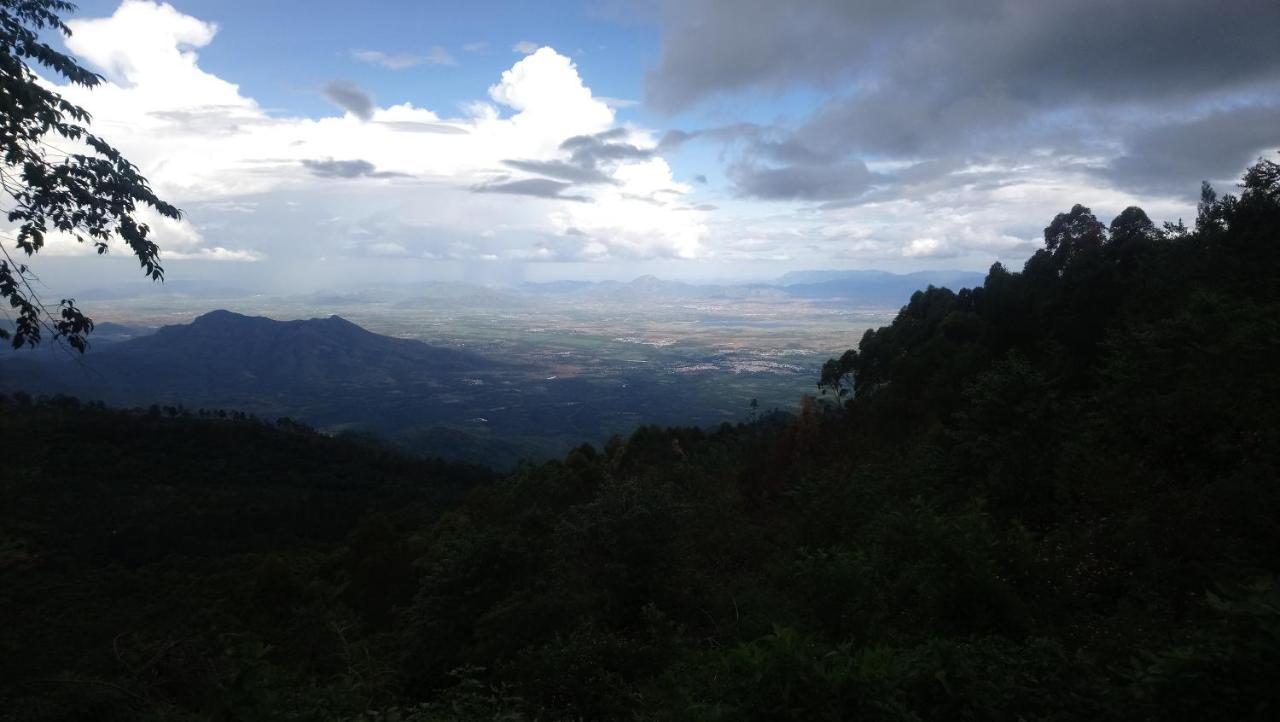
column 1052, row 496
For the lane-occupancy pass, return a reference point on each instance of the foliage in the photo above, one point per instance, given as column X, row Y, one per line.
column 90, row 192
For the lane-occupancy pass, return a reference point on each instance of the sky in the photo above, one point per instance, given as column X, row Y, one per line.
column 315, row 144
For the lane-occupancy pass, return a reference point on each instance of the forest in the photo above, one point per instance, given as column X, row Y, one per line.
column 1052, row 496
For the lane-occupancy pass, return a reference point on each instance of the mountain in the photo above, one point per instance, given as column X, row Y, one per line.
column 647, row 289
column 937, row 278
column 327, row 370
column 222, row 345
column 872, row 288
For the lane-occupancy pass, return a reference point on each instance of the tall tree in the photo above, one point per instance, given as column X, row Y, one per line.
column 1073, row 233
column 58, row 177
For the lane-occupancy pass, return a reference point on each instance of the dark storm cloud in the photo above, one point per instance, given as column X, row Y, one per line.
column 815, row 182
column 536, row 187
column 1173, row 158
column 346, row 169
column 1029, row 51
column 350, row 97
column 927, row 80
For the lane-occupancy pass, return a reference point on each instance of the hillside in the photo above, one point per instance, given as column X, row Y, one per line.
column 328, row 372
column 1049, row 497
column 222, row 354
column 122, row 531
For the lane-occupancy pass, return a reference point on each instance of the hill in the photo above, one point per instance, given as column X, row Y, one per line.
column 125, row 532
column 326, row 371
column 223, row 348
column 223, row 352
column 1051, row 496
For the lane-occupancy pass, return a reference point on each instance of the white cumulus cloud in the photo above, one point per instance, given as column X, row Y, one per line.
column 402, row 177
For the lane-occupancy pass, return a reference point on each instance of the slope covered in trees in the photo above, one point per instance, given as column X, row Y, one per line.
column 1049, row 497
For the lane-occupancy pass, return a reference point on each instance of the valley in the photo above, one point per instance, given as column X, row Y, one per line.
column 552, row 365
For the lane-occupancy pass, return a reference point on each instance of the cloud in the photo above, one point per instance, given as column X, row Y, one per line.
column 477, row 47
column 524, row 47
column 395, row 61
column 803, row 182
column 1039, row 53
column 927, row 129
column 930, row 79
column 572, row 172
column 216, row 253
column 178, row 239
column 619, row 102
column 339, row 168
column 1162, row 158
column 536, row 187
column 592, row 158
column 331, row 168
column 545, row 86
column 411, row 126
column 927, row 248
column 208, row 147
column 351, row 98
column 159, row 40
column 438, row 55
column 673, row 139
column 386, row 248
column 611, row 145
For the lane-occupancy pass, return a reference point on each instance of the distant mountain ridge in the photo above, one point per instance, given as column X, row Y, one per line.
column 937, row 278
column 872, row 288
column 222, row 354
column 329, row 350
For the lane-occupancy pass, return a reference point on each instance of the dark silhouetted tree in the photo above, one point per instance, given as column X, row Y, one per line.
column 837, row 374
column 1072, row 234
column 1132, row 233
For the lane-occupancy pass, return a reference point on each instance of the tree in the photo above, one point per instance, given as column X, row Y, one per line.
column 1131, row 233
column 838, row 374
column 1073, row 233
column 87, row 190
column 1262, row 179
column 1133, row 226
